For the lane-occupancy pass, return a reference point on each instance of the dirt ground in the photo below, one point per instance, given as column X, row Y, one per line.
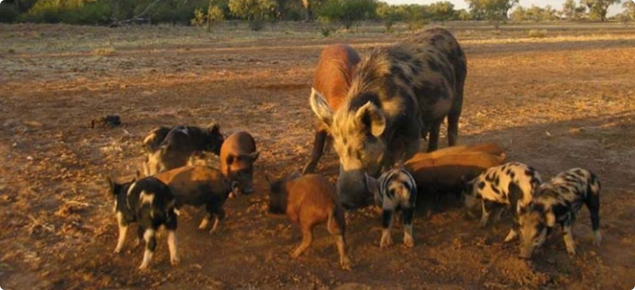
column 558, row 102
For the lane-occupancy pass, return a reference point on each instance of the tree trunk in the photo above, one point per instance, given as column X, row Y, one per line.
column 307, row 7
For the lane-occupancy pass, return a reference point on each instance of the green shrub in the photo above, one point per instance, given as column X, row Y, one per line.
column 253, row 10
column 256, row 24
column 8, row 13
column 535, row 33
column 347, row 11
column 69, row 11
column 91, row 13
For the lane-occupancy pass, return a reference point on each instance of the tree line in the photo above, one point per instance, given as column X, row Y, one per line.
column 256, row 12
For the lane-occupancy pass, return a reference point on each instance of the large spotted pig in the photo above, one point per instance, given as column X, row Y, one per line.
column 237, row 157
column 332, row 80
column 170, row 149
column 510, row 185
column 200, row 186
column 150, row 203
column 398, row 94
column 558, row 202
column 395, row 191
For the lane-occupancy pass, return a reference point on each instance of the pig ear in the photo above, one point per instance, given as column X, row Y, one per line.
column 465, row 180
column 214, row 128
column 320, row 107
column 372, row 118
column 112, row 185
column 371, row 184
column 254, row 156
column 550, row 219
column 230, row 159
column 294, row 175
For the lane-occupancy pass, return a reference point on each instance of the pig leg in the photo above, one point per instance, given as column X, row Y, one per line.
column 593, row 204
column 433, row 143
column 123, row 230
column 386, row 240
column 307, row 239
column 568, row 237
column 205, row 221
column 172, row 241
column 336, row 225
column 149, row 236
column 140, row 232
column 345, row 262
column 318, row 151
column 220, row 215
column 408, row 240
column 513, row 232
column 453, row 125
column 488, row 206
column 174, row 256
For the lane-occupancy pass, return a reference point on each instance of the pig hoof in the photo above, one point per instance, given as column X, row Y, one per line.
column 598, row 239
column 143, row 267
column 409, row 243
column 385, row 243
column 174, row 261
column 571, row 252
column 346, row 264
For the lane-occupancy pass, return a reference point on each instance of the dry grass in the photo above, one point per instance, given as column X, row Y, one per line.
column 537, row 33
column 104, row 51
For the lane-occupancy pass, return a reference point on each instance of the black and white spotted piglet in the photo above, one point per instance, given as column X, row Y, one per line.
column 559, row 201
column 395, row 191
column 510, row 185
column 150, row 203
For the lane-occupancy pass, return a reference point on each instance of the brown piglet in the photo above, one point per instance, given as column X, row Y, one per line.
column 308, row 201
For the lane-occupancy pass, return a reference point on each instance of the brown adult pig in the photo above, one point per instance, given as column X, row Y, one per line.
column 444, row 170
column 237, row 157
column 332, row 79
column 308, row 201
column 200, row 186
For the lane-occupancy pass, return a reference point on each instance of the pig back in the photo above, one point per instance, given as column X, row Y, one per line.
column 446, row 172
column 195, row 184
column 311, row 192
column 333, row 73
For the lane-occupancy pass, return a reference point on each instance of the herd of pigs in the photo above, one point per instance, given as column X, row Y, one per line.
column 374, row 110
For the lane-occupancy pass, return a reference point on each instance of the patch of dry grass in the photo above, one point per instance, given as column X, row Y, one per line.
column 104, row 51
column 537, row 33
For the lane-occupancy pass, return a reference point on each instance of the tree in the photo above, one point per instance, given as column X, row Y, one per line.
column 252, row 10
column 519, row 14
column 389, row 14
column 569, row 9
column 629, row 10
column 463, row 15
column 441, row 11
column 348, row 11
column 599, row 8
column 534, row 13
column 493, row 10
column 549, row 14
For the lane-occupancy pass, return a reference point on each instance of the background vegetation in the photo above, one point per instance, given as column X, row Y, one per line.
column 332, row 12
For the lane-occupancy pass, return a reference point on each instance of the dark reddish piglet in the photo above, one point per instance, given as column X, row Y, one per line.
column 309, row 201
